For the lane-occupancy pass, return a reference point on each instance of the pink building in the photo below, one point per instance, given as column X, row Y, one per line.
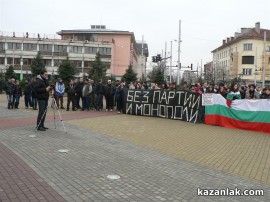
column 123, row 47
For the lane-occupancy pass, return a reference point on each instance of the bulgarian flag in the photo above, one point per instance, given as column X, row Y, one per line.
column 242, row 114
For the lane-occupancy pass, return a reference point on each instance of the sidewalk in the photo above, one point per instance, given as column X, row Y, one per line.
column 156, row 159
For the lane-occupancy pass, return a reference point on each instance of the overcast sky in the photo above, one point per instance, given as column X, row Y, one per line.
column 205, row 23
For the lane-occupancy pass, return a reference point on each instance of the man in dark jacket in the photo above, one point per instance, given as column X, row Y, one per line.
column 42, row 89
column 27, row 94
column 17, row 94
column 78, row 92
column 1, row 85
column 70, row 89
column 109, row 95
column 33, row 93
column 100, row 91
column 9, row 92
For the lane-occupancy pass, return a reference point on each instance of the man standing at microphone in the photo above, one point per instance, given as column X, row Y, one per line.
column 42, row 89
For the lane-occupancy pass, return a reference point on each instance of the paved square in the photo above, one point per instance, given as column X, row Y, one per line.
column 156, row 159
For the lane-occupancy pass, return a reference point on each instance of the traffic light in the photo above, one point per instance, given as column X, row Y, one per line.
column 191, row 66
column 158, row 57
column 154, row 59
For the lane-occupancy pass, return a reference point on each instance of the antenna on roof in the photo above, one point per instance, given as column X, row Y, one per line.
column 100, row 20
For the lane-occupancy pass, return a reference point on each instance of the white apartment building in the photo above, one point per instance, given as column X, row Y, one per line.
column 20, row 51
column 118, row 49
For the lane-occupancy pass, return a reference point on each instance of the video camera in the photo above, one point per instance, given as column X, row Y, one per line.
column 52, row 87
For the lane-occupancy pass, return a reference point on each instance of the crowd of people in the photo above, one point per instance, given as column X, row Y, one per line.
column 233, row 92
column 229, row 92
column 84, row 94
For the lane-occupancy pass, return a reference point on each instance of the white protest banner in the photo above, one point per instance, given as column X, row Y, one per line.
column 207, row 99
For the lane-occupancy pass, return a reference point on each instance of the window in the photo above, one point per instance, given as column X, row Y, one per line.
column 93, row 37
column 14, row 46
column 57, row 62
column 87, row 64
column 108, row 51
column 45, row 47
column 60, row 48
column 17, row 61
column 76, row 49
column 27, row 61
column 105, row 51
column 267, row 49
column 2, row 61
column 248, row 47
column 247, row 71
column 87, row 50
column 77, row 63
column 2, row 46
column 91, row 50
column 48, row 62
column 29, row 47
column 247, row 59
column 9, row 61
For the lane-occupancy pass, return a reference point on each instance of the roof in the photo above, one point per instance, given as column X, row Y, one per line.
column 143, row 47
column 250, row 34
column 93, row 31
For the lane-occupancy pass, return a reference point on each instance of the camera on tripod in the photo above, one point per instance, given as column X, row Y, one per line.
column 52, row 87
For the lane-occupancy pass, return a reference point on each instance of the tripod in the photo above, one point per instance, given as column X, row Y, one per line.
column 53, row 104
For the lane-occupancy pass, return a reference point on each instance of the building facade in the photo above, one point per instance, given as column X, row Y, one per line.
column 118, row 49
column 142, row 59
column 189, row 76
column 243, row 56
column 208, row 72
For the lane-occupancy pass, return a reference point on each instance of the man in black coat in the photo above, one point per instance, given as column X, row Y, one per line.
column 78, row 92
column 9, row 92
column 109, row 95
column 100, row 91
column 205, row 88
column 27, row 94
column 70, row 89
column 42, row 89
column 1, row 85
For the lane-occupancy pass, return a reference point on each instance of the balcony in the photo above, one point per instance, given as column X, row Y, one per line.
column 105, row 56
column 64, row 54
column 24, row 67
column 49, row 53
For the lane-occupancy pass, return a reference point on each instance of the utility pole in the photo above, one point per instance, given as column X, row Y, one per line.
column 171, row 65
column 201, row 69
column 179, row 50
column 264, row 66
column 142, row 62
column 165, row 61
column 255, row 72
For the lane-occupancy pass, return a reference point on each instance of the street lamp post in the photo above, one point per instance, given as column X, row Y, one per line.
column 21, row 63
column 179, row 49
column 170, row 69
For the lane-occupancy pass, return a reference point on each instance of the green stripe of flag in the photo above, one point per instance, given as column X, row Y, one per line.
column 249, row 116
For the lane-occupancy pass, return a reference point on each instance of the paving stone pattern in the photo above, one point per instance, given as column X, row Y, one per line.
column 146, row 175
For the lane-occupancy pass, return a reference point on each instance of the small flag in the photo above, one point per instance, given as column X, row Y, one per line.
column 21, row 76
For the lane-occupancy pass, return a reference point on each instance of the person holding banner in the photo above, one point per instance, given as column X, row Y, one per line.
column 234, row 93
column 197, row 88
column 119, row 98
column 251, row 93
column 222, row 90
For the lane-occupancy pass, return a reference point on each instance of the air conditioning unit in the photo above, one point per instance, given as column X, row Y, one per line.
column 71, row 40
column 86, row 41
